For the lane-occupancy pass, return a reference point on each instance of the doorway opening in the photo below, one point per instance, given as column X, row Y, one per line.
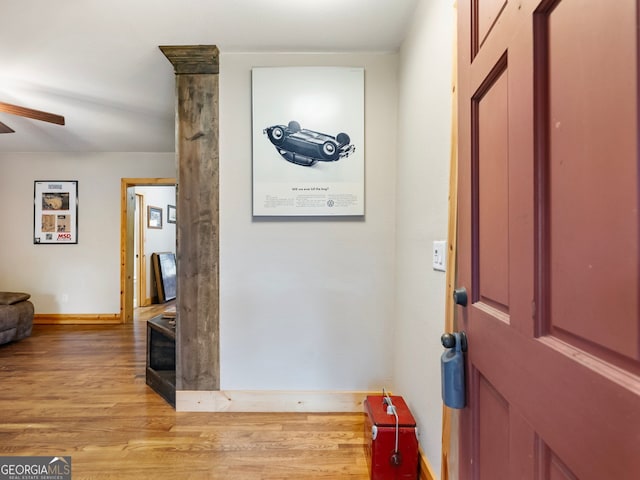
column 127, row 239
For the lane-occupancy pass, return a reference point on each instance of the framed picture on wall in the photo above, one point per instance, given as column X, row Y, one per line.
column 154, row 217
column 171, row 214
column 308, row 141
column 55, row 211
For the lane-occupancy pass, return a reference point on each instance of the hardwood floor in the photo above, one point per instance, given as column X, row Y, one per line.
column 80, row 391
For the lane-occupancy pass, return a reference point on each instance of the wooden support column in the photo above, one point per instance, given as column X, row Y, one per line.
column 197, row 233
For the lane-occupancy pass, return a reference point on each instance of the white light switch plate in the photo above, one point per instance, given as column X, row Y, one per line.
column 440, row 255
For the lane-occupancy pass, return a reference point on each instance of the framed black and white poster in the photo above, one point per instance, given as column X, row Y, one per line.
column 308, row 141
column 55, row 211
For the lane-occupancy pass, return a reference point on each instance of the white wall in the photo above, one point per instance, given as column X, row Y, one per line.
column 307, row 304
column 87, row 273
column 422, row 214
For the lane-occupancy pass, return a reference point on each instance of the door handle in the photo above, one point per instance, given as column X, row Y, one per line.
column 460, row 296
column 449, row 340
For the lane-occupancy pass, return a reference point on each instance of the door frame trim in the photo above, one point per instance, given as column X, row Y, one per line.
column 450, row 421
column 143, row 300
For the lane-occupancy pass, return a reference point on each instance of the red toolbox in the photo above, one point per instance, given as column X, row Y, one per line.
column 392, row 440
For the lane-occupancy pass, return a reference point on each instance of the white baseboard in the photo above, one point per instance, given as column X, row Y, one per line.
column 270, row 401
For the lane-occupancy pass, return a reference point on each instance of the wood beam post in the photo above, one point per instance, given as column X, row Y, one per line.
column 197, row 233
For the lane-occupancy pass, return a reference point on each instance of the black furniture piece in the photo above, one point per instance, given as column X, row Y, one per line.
column 161, row 357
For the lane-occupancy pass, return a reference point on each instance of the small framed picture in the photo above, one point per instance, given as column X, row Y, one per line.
column 154, row 217
column 171, row 214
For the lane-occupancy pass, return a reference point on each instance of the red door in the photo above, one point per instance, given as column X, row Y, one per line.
column 549, row 238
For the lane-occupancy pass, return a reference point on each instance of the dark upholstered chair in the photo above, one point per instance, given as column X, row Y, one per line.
column 16, row 316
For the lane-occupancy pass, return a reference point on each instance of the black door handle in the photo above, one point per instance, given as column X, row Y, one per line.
column 449, row 340
column 460, row 296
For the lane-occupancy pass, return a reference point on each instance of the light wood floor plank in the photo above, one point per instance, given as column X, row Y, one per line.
column 80, row 391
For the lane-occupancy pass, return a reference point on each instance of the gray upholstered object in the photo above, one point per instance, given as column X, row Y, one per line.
column 16, row 316
column 9, row 298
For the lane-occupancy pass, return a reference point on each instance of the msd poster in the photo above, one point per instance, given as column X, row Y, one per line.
column 308, row 141
column 55, row 214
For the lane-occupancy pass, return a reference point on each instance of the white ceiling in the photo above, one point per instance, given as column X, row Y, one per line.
column 97, row 62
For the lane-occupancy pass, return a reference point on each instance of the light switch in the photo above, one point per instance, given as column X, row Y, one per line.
column 440, row 255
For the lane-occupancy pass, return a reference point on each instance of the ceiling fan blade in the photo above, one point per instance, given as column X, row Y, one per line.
column 30, row 113
column 5, row 129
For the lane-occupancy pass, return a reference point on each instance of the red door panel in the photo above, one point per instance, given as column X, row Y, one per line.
column 553, row 468
column 598, row 203
column 493, row 427
column 549, row 237
column 490, row 124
